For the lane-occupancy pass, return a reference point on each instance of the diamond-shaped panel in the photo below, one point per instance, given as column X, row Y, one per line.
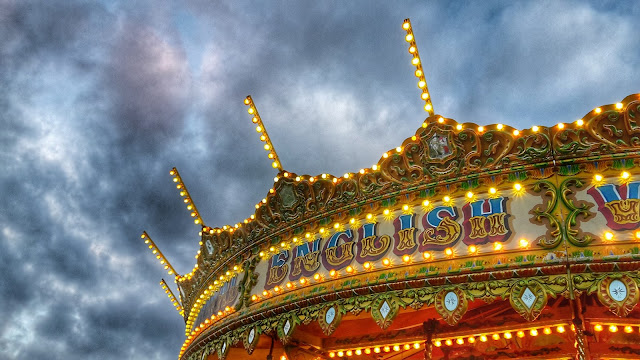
column 528, row 298
column 385, row 309
column 286, row 327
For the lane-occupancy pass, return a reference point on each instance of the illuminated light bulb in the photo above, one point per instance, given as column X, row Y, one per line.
column 385, row 155
column 422, row 84
column 386, row 211
column 406, row 25
column 524, row 243
column 254, row 120
column 459, row 341
column 446, row 199
column 625, row 175
column 263, row 138
column 471, row 339
column 637, row 234
column 448, row 251
column 495, row 336
column 412, row 50
column 274, row 164
column 416, row 345
column 366, row 265
column 332, row 273
column 369, row 216
column 517, row 186
column 316, row 277
column 387, row 348
column 386, row 262
column 303, row 281
column 497, row 246
column 258, row 128
column 560, row 126
column 597, row 327
column 424, row 124
column 493, row 191
column 437, row 343
column 469, row 195
column 267, row 147
column 340, row 353
column 405, row 208
column 619, row 106
column 473, row 249
column 406, row 258
column 358, row 352
column 598, row 110
column 349, row 269
column 321, row 230
column 483, row 338
column 254, row 297
column 480, row 128
column 608, row 235
column 580, row 122
column 349, row 352
column 458, row 127
column 448, row 342
column 408, row 38
column 516, row 132
column 441, row 120
column 628, row 329
column 507, row 335
column 336, row 226
column 419, row 73
column 425, row 203
column 297, row 178
column 346, row 176
column 396, row 347
column 500, row 126
column 277, row 289
column 335, row 180
column 613, row 328
column 520, row 334
column 598, row 177
column 560, row 329
column 428, row 107
column 546, row 330
column 289, row 285
column 535, row 128
column 399, row 149
column 533, row 332
column 374, row 167
column 251, row 110
column 376, row 350
column 424, row 96
column 415, row 61
column 324, row 176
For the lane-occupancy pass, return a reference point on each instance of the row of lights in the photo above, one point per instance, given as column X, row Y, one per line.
column 419, row 72
column 184, row 193
column 202, row 298
column 375, row 350
column 158, row 254
column 264, row 137
column 507, row 335
column 613, row 328
column 191, row 335
column 172, row 297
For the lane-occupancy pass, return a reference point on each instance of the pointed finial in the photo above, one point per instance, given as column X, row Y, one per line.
column 154, row 249
column 268, row 146
column 422, row 82
column 191, row 206
column 172, row 297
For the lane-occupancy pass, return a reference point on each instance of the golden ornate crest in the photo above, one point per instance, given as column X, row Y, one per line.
column 329, row 318
column 528, row 298
column 250, row 339
column 620, row 294
column 451, row 304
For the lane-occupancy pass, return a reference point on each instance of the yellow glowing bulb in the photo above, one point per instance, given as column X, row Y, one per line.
column 406, row 258
column 340, row 353
column 386, row 211
column 483, row 338
column 267, row 147
column 628, row 329
column 608, row 235
column 458, row 127
column 416, row 345
column 408, row 38
column 258, row 128
column 480, row 128
column 497, row 246
column 535, row 128
column 424, row 96
column 613, row 328
column 399, row 149
column 598, row 177
column 405, row 208
column 516, row 132
column 446, row 199
column 520, row 334
column 441, row 120
column 533, row 332
column 374, row 167
column 448, row 251
column 495, row 336
column 625, row 175
column 619, row 106
column 426, row 255
column 386, row 262
column 459, row 341
column 369, row 216
column 316, row 277
column 428, row 107
column 396, row 348
column 547, row 331
column 561, row 126
column 560, row 329
column 422, row 84
column 367, row 265
column 385, row 155
column 448, row 342
column 437, row 343
column 332, row 273
column 524, row 243
column 406, row 26
column 508, row 335
column 598, row 110
column 597, row 327
column 493, row 191
column 471, row 340
column 415, row 61
column 473, row 249
column 251, row 110
column 418, row 72
column 517, row 186
column 425, row 203
column 580, row 122
column 358, row 352
column 470, row 195
column 500, row 126
column 349, row 269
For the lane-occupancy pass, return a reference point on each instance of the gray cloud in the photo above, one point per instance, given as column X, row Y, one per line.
column 100, row 99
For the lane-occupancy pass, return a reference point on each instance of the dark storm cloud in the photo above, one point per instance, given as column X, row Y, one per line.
column 100, row 99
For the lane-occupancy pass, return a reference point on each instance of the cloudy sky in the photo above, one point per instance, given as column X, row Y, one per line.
column 100, row 99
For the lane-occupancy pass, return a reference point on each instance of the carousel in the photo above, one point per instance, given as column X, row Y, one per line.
column 466, row 241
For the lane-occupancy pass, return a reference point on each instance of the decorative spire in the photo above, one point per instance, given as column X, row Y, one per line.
column 172, row 297
column 422, row 82
column 191, row 206
column 158, row 254
column 268, row 146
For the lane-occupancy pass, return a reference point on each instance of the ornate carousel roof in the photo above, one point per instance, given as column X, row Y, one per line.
column 465, row 241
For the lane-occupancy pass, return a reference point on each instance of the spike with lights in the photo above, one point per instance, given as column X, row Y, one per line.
column 186, row 197
column 268, row 146
column 422, row 82
column 158, row 254
column 172, row 297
